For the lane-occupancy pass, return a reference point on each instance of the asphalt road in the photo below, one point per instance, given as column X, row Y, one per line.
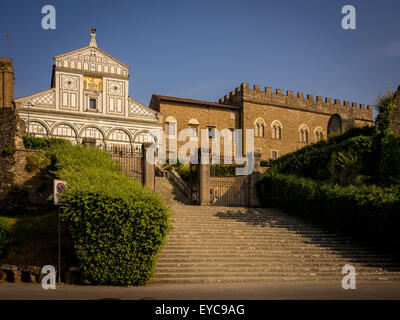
column 225, row 291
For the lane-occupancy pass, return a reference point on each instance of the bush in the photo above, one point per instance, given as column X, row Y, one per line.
column 367, row 212
column 37, row 161
column 8, row 151
column 4, row 233
column 330, row 161
column 40, row 143
column 117, row 225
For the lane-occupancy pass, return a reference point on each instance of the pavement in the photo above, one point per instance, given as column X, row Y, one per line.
column 369, row 290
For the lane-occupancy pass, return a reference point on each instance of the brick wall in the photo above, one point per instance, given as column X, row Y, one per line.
column 208, row 114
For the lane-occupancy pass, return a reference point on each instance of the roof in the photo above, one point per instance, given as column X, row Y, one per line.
column 193, row 101
column 94, row 48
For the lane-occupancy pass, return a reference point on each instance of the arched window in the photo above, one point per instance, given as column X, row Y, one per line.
column 93, row 132
column 171, row 126
column 303, row 133
column 334, row 124
column 276, row 128
column 37, row 129
column 194, row 128
column 318, row 132
column 259, row 128
column 65, row 131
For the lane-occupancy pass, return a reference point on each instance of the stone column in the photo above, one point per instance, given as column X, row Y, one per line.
column 254, row 177
column 204, row 178
column 148, row 168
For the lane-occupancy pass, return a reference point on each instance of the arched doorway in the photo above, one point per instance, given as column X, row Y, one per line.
column 335, row 125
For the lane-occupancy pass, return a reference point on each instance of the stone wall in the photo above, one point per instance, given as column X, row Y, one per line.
column 22, row 189
column 208, row 114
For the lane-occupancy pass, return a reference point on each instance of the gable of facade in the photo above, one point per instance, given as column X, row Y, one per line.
column 90, row 98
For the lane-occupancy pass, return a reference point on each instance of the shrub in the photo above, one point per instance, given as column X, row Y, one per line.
column 8, row 151
column 367, row 212
column 387, row 149
column 117, row 225
column 41, row 143
column 4, row 233
column 37, row 161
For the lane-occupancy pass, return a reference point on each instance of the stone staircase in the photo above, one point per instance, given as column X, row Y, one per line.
column 220, row 244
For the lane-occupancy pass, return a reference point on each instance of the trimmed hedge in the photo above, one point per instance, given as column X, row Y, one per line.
column 41, row 143
column 117, row 225
column 368, row 212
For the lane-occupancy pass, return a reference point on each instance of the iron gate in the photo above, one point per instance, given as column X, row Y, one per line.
column 130, row 161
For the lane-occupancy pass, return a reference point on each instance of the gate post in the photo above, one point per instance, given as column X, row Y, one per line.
column 204, row 178
column 148, row 168
column 254, row 177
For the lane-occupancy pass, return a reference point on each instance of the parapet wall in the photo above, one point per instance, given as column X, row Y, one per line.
column 298, row 101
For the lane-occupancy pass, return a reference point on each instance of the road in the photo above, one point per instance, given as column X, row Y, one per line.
column 381, row 290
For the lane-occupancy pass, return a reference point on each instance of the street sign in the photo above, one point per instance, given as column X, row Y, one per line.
column 59, row 187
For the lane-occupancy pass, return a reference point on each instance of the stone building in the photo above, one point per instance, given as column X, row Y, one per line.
column 281, row 122
column 89, row 98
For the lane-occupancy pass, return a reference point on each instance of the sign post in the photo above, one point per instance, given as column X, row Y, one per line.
column 59, row 187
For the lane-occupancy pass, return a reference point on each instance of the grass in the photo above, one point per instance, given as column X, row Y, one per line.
column 33, row 241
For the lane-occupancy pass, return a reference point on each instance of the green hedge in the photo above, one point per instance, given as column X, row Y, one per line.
column 117, row 225
column 349, row 157
column 332, row 142
column 368, row 212
column 41, row 143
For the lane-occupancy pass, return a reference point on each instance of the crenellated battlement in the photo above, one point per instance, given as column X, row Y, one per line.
column 300, row 101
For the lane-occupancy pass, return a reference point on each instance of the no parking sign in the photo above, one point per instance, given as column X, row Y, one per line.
column 59, row 187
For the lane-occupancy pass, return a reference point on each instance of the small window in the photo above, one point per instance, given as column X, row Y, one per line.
column 274, row 154
column 171, row 128
column 211, row 132
column 193, row 131
column 93, row 104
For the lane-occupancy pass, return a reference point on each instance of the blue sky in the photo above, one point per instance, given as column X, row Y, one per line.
column 204, row 49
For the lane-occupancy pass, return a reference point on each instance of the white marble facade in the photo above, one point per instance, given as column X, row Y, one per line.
column 89, row 97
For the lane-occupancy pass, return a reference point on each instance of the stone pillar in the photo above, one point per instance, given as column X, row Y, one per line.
column 148, row 168
column 254, row 177
column 204, row 178
column 6, row 82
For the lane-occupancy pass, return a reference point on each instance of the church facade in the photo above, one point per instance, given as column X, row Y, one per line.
column 89, row 98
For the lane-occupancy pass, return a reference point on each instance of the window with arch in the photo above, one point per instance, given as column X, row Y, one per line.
column 276, row 130
column 171, row 126
column 194, row 128
column 303, row 134
column 319, row 135
column 259, row 128
column 37, row 129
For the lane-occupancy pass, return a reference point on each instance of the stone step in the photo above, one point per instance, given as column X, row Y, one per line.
column 280, row 259
column 277, row 264
column 310, row 275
